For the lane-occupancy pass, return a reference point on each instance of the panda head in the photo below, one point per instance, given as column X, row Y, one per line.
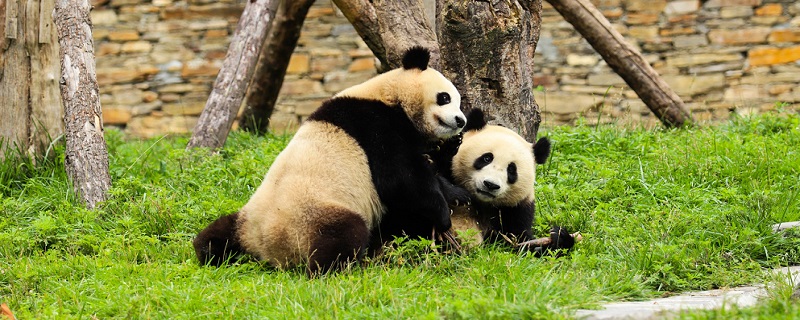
column 495, row 164
column 430, row 100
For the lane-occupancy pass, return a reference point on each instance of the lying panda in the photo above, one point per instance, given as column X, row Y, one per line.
column 498, row 168
column 357, row 157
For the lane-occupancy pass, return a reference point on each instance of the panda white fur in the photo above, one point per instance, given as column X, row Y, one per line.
column 357, row 157
column 498, row 168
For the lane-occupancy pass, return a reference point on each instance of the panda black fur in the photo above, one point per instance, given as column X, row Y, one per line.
column 357, row 157
column 498, row 168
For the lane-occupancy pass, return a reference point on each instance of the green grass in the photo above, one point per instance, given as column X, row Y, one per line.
column 661, row 211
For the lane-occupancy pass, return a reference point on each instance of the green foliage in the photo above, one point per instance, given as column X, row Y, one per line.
column 661, row 211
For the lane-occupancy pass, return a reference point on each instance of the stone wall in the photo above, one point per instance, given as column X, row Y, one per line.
column 157, row 60
column 720, row 56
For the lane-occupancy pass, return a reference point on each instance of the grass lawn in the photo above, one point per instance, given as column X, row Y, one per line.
column 661, row 212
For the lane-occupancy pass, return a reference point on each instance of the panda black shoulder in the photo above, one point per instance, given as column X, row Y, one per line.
column 366, row 121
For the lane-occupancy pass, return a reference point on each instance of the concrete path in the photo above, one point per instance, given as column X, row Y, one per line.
column 711, row 299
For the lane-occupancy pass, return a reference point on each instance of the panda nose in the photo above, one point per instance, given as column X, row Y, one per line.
column 460, row 122
column 491, row 185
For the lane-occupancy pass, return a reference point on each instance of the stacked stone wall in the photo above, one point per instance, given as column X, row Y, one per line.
column 157, row 60
column 722, row 57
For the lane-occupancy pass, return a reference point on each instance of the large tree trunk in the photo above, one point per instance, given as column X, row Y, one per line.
column 237, row 70
column 390, row 27
column 488, row 50
column 272, row 63
column 625, row 60
column 86, row 155
column 30, row 104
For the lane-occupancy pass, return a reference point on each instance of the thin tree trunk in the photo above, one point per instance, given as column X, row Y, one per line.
column 272, row 63
column 29, row 70
column 86, row 155
column 364, row 19
column 625, row 61
column 237, row 70
column 488, row 50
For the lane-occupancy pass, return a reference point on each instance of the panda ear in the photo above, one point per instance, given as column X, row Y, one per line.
column 476, row 120
column 416, row 58
column 541, row 150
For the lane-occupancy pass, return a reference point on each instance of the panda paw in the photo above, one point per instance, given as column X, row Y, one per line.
column 453, row 194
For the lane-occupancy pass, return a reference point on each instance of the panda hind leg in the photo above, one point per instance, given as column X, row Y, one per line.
column 339, row 240
column 218, row 242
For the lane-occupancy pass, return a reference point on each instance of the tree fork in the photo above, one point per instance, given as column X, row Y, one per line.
column 625, row 61
column 86, row 158
column 272, row 63
column 237, row 70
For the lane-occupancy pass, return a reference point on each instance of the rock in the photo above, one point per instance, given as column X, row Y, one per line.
column 686, row 85
column 116, row 115
column 728, row 3
column 689, row 41
column 123, row 35
column 735, row 12
column 745, row 93
column 298, row 63
column 680, row 7
column 785, row 35
column 771, row 9
column 565, row 103
column 605, row 79
column 362, row 64
column 183, row 108
column 104, row 18
column 742, row 36
column 765, row 56
column 641, row 18
column 582, row 60
column 700, row 59
column 136, row 47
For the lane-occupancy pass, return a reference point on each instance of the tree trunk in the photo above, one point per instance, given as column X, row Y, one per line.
column 488, row 50
column 272, row 63
column 86, row 159
column 625, row 61
column 402, row 25
column 390, row 27
column 29, row 71
column 237, row 70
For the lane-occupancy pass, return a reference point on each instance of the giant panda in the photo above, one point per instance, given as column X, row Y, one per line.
column 498, row 169
column 355, row 158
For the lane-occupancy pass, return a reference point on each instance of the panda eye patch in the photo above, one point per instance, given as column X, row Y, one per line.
column 442, row 98
column 483, row 161
column 512, row 173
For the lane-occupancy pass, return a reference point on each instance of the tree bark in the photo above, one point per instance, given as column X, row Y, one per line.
column 86, row 159
column 390, row 27
column 488, row 50
column 29, row 71
column 402, row 25
column 625, row 61
column 272, row 63
column 237, row 70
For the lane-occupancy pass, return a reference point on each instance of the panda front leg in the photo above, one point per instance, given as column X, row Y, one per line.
column 509, row 225
column 218, row 242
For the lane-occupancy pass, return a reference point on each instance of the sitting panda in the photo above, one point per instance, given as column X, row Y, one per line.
column 498, row 168
column 357, row 157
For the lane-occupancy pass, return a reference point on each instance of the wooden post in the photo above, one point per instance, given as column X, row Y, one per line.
column 86, row 159
column 272, row 63
column 488, row 50
column 237, row 70
column 30, row 101
column 625, row 61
